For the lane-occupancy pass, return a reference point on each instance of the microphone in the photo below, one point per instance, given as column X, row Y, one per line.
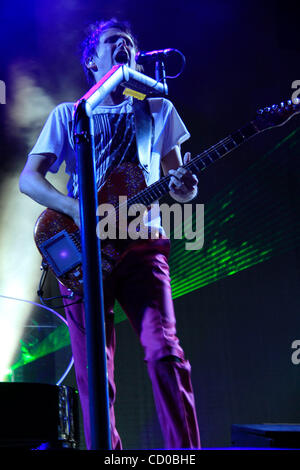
column 147, row 56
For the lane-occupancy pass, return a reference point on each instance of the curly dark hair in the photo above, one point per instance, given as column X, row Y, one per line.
column 88, row 46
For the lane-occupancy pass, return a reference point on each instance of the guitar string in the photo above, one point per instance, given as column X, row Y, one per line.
column 159, row 184
column 206, row 153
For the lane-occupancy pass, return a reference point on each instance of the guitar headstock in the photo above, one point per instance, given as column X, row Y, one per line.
column 276, row 115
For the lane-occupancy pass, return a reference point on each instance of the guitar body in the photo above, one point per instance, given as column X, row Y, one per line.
column 58, row 238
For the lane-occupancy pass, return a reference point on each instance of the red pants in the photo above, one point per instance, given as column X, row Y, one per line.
column 141, row 284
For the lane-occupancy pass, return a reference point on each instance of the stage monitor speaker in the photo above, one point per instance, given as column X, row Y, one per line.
column 38, row 416
column 266, row 435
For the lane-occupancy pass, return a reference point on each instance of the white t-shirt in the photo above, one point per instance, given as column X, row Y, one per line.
column 114, row 141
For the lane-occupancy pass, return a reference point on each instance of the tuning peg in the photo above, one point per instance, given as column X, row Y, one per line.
column 267, row 109
column 282, row 104
column 260, row 111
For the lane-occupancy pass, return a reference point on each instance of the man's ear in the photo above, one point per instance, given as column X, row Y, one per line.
column 90, row 64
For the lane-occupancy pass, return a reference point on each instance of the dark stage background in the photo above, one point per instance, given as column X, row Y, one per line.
column 237, row 300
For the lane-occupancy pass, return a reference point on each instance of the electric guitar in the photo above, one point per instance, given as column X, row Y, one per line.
column 58, row 238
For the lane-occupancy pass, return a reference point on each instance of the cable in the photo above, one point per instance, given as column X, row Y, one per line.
column 40, row 291
column 55, row 313
column 182, row 65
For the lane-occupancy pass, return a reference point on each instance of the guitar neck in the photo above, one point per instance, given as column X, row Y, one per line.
column 157, row 190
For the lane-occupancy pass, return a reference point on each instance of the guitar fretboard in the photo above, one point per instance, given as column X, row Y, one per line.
column 199, row 163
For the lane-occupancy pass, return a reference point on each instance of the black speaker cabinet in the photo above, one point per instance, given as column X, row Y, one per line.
column 266, row 435
column 34, row 415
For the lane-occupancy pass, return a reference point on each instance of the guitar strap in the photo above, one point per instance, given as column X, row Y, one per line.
column 144, row 129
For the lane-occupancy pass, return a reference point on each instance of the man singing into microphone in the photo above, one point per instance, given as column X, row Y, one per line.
column 140, row 281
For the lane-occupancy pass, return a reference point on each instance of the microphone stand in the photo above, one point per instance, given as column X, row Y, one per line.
column 160, row 73
column 91, row 244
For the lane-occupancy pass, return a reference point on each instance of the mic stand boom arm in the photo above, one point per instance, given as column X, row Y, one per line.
column 91, row 245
